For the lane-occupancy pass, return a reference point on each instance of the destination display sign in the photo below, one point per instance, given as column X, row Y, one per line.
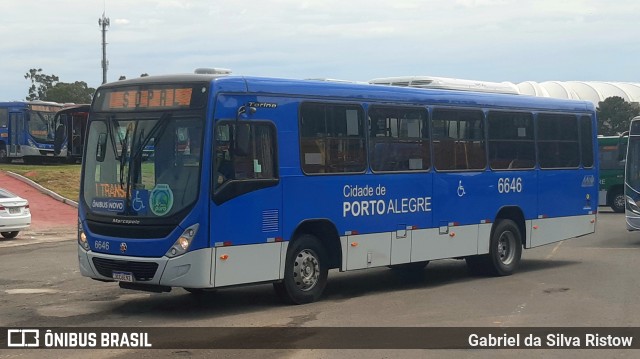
column 148, row 99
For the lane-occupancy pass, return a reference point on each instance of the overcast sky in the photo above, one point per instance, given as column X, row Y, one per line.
column 490, row 40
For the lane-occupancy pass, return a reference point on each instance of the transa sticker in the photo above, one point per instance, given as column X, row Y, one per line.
column 161, row 199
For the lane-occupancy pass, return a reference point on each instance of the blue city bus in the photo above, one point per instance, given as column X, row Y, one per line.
column 259, row 180
column 27, row 130
column 632, row 177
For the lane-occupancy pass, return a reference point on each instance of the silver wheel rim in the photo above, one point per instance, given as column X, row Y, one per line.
column 619, row 201
column 306, row 270
column 506, row 247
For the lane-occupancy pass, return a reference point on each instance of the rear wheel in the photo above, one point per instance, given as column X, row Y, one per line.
column 305, row 272
column 505, row 250
column 9, row 234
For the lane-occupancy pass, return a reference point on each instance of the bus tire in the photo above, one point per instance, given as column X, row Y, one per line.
column 618, row 202
column 305, row 271
column 505, row 248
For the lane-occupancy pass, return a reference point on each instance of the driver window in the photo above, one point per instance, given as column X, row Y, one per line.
column 255, row 162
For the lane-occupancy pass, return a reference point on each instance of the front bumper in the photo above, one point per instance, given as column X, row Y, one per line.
column 190, row 270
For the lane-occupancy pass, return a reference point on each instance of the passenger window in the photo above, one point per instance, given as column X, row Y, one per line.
column 332, row 138
column 458, row 140
column 558, row 141
column 586, row 141
column 399, row 139
column 511, row 140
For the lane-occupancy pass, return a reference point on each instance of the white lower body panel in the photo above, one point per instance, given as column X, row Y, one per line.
column 550, row 230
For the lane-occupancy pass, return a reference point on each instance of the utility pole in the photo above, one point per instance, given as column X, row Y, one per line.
column 104, row 23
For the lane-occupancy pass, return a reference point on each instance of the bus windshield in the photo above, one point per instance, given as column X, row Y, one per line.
column 143, row 165
column 633, row 164
column 41, row 126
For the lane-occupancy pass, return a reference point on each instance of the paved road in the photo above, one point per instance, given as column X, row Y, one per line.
column 585, row 282
column 589, row 281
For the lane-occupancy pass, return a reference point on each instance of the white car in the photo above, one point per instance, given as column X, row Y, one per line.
column 14, row 214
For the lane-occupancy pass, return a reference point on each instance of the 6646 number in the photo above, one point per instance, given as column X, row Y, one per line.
column 510, row 185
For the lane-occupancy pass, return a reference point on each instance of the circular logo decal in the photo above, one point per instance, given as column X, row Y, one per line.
column 161, row 199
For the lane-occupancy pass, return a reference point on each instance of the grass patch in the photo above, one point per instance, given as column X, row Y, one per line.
column 62, row 179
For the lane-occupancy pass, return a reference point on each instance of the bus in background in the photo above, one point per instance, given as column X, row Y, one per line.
column 612, row 152
column 632, row 177
column 282, row 180
column 27, row 130
column 70, row 125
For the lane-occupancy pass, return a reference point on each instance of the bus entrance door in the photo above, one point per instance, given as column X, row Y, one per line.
column 16, row 125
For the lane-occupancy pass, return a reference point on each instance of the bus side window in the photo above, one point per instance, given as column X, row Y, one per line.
column 332, row 138
column 558, row 141
column 511, row 141
column 459, row 143
column 399, row 139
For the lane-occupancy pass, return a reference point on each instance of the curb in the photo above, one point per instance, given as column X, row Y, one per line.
column 42, row 189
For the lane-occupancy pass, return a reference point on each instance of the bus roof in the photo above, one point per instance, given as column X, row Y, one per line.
column 360, row 92
column 75, row 108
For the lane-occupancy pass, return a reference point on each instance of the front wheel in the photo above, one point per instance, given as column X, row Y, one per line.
column 10, row 234
column 305, row 272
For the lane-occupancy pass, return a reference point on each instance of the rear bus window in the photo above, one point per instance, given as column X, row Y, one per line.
column 558, row 141
column 586, row 141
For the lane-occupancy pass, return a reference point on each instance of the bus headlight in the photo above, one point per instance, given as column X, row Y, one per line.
column 632, row 205
column 82, row 238
column 183, row 242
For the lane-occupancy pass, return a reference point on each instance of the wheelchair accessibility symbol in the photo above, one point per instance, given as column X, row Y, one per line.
column 140, row 197
column 138, row 204
column 461, row 191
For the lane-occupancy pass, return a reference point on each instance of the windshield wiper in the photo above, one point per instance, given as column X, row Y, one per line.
column 112, row 123
column 156, row 131
column 123, row 157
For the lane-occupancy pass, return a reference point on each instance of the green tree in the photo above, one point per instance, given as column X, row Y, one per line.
column 49, row 88
column 615, row 114
column 40, row 84
column 77, row 92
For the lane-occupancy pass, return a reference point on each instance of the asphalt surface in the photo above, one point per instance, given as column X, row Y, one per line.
column 49, row 216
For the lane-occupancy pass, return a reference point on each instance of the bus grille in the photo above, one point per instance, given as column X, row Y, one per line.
column 142, row 271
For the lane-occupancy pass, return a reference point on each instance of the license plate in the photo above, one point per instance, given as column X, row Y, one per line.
column 122, row 276
column 14, row 210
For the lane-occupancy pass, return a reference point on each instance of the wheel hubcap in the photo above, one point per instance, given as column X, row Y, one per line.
column 506, row 247
column 619, row 201
column 306, row 270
